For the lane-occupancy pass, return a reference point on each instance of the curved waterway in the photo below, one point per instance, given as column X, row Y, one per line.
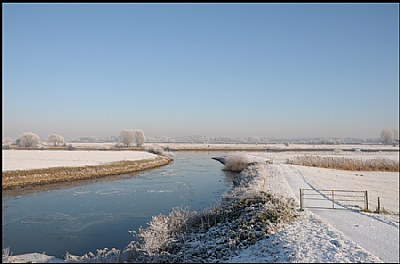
column 85, row 216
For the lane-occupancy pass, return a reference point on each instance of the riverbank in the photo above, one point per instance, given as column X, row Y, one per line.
column 13, row 179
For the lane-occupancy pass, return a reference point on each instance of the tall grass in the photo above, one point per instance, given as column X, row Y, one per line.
column 347, row 163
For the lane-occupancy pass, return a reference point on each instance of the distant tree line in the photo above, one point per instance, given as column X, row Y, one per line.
column 31, row 140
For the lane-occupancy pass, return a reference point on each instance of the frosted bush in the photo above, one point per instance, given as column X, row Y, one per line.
column 338, row 151
column 119, row 145
column 163, row 230
column 103, row 256
column 236, row 162
column 6, row 255
column 159, row 151
column 155, row 150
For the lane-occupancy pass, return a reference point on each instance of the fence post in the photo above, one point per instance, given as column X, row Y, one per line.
column 366, row 200
column 379, row 205
column 333, row 200
column 301, row 200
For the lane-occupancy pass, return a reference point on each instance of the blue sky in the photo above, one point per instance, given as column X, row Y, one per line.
column 269, row 70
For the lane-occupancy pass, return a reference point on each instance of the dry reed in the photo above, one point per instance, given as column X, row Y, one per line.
column 347, row 163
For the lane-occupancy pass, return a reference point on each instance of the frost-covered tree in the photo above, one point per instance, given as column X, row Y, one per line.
column 28, row 139
column 127, row 136
column 55, row 139
column 139, row 136
column 7, row 141
column 388, row 135
column 396, row 134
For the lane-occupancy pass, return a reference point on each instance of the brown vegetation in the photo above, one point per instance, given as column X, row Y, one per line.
column 21, row 178
column 347, row 163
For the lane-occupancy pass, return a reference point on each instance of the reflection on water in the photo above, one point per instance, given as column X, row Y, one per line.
column 84, row 216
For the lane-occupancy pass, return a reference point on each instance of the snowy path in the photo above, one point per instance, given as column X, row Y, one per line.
column 377, row 237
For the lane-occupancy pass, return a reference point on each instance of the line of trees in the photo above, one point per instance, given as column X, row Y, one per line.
column 129, row 136
column 31, row 140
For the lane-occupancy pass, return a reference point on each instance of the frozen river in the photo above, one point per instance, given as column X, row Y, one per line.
column 90, row 215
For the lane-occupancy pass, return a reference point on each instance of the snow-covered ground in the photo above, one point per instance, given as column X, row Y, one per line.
column 326, row 235
column 36, row 159
column 378, row 184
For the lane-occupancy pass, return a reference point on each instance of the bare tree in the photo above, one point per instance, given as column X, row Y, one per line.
column 28, row 139
column 55, row 139
column 127, row 136
column 139, row 136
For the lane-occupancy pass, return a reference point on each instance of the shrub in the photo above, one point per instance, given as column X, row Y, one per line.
column 163, row 230
column 6, row 147
column 159, row 151
column 6, row 255
column 70, row 147
column 236, row 162
column 119, row 145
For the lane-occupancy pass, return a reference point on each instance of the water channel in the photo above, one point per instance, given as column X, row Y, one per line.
column 85, row 216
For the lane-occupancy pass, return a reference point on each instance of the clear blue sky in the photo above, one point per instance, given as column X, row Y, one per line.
column 269, row 70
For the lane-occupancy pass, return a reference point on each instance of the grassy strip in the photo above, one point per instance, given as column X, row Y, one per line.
column 347, row 163
column 20, row 178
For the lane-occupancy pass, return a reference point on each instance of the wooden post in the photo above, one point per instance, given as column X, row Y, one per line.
column 379, row 205
column 333, row 200
column 301, row 200
column 366, row 200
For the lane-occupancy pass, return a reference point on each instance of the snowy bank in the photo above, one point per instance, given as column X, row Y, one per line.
column 65, row 166
column 38, row 159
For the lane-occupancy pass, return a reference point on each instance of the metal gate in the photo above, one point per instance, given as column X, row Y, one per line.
column 332, row 196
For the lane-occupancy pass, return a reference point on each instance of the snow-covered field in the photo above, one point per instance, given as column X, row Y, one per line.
column 35, row 159
column 378, row 184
